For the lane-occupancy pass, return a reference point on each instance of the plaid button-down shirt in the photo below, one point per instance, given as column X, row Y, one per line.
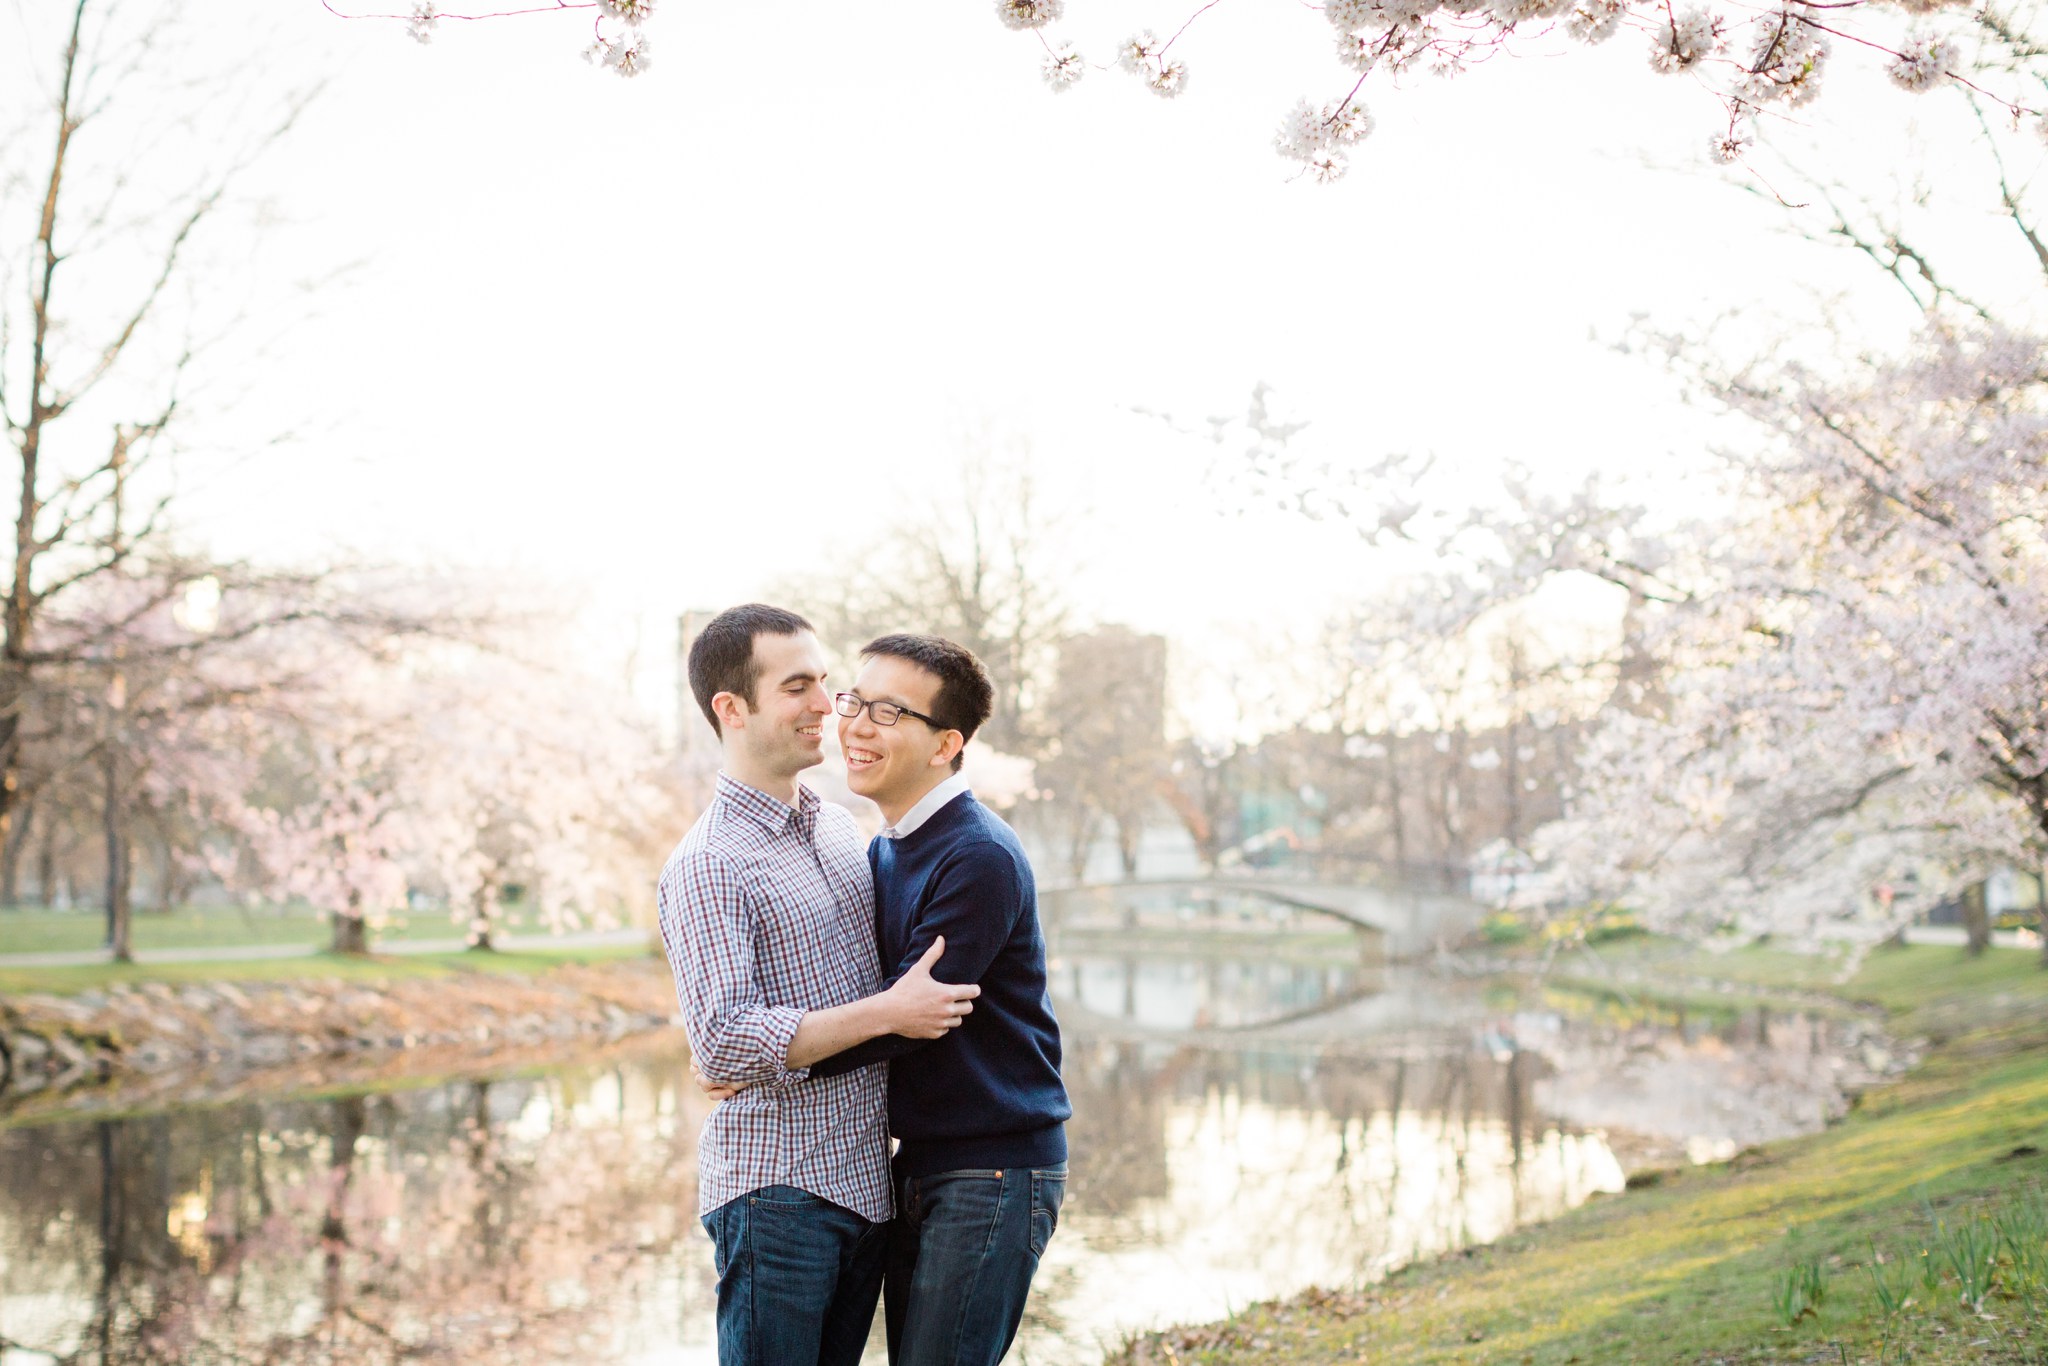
column 768, row 911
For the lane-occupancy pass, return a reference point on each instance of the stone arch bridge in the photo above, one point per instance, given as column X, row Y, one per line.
column 1410, row 923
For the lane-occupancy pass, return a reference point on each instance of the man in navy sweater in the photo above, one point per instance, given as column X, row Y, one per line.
column 980, row 1115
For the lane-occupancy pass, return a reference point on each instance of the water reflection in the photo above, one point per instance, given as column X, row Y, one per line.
column 1176, row 994
column 1241, row 1130
column 1214, row 1177
column 510, row 1220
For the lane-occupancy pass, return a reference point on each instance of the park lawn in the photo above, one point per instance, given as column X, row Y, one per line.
column 1921, row 986
column 373, row 968
column 1686, row 1267
column 35, row 929
column 1754, row 965
column 1928, row 987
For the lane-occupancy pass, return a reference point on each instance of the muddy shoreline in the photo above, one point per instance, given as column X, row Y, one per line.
column 154, row 1040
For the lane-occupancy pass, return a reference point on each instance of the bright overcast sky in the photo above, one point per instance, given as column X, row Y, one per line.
column 678, row 337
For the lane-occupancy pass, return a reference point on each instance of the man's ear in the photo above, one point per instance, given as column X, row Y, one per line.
column 732, row 710
column 948, row 747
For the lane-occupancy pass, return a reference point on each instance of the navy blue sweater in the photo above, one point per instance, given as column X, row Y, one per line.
column 989, row 1093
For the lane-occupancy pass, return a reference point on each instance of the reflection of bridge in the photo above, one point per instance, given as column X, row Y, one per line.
column 1411, row 922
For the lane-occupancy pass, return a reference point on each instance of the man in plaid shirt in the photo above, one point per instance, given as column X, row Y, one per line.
column 767, row 914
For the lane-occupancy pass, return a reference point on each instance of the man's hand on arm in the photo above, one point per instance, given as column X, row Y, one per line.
column 971, row 911
column 914, row 1006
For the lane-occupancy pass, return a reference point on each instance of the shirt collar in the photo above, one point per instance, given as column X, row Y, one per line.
column 771, row 813
column 927, row 806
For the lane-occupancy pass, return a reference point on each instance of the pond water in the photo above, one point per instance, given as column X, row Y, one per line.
column 1243, row 1128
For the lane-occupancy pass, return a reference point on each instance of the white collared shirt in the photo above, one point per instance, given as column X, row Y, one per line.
column 927, row 806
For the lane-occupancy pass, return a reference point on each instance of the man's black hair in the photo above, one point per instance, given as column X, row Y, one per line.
column 966, row 696
column 722, row 656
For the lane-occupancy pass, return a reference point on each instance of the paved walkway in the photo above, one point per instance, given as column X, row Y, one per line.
column 241, row 953
column 1953, row 935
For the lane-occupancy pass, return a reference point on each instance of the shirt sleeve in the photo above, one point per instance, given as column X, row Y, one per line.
column 973, row 899
column 707, row 930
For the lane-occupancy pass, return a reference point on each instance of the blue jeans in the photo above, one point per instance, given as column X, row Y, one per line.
column 961, row 1254
column 797, row 1279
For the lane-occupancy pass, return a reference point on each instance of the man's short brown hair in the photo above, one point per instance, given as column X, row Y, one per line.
column 722, row 656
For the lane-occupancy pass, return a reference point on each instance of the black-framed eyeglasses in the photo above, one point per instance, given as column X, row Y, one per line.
column 849, row 704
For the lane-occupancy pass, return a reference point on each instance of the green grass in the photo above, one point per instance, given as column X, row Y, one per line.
column 99, row 976
column 1694, row 1269
column 33, row 929
column 1922, row 985
column 1756, row 965
column 1924, row 979
column 1706, row 1265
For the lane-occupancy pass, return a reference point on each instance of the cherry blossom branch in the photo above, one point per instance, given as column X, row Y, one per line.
column 1184, row 27
column 558, row 7
column 2007, row 197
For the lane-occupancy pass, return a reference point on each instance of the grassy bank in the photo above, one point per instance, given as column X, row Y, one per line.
column 1902, row 981
column 1858, row 1244
column 370, row 968
column 36, row 929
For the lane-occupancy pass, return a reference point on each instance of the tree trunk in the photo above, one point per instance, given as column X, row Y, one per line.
column 166, row 888
column 46, row 866
column 1396, row 825
column 479, row 910
column 119, row 913
column 351, row 1120
column 113, row 1235
column 1976, row 920
column 351, row 935
column 2041, row 911
column 351, row 930
column 1080, row 840
column 11, row 849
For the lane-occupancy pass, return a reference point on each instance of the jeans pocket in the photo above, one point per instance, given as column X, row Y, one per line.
column 775, row 1198
column 1048, row 1190
column 725, row 1225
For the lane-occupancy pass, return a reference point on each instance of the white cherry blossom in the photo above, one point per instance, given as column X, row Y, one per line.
column 1169, row 80
column 1328, row 165
column 1349, row 16
column 1926, row 58
column 1063, row 66
column 1029, row 14
column 1139, row 52
column 1359, row 51
column 1730, row 146
column 1685, row 39
column 1595, row 21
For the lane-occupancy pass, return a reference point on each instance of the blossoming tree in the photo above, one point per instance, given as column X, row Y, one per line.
column 457, row 769
column 1760, row 62
column 1856, row 682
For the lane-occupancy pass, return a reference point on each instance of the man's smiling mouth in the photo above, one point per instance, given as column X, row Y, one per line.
column 861, row 758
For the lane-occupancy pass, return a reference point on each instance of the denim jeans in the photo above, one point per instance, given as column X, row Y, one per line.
column 797, row 1279
column 962, row 1251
